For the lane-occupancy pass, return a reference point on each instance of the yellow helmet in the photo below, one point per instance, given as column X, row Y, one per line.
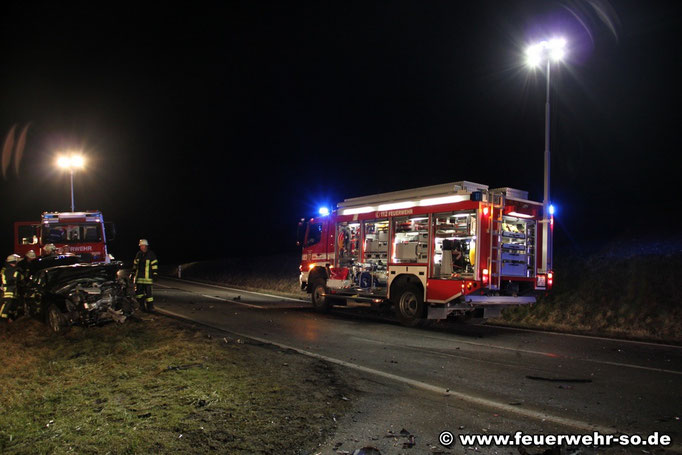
column 144, row 242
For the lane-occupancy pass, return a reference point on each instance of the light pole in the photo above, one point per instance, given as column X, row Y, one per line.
column 548, row 51
column 72, row 163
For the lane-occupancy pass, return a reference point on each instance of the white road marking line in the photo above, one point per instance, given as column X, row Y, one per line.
column 449, row 354
column 232, row 301
column 538, row 415
column 558, row 356
column 234, row 289
column 215, row 297
column 628, row 365
column 591, row 337
column 543, row 354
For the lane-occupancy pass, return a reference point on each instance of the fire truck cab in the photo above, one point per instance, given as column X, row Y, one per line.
column 81, row 233
column 430, row 252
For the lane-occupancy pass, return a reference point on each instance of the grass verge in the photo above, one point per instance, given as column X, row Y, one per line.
column 630, row 294
column 159, row 386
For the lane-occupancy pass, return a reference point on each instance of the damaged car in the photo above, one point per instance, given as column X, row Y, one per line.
column 79, row 294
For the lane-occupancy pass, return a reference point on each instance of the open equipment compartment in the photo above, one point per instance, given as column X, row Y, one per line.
column 517, row 244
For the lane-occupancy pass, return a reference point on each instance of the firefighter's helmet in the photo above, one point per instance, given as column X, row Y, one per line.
column 31, row 254
column 13, row 258
column 144, row 242
column 50, row 248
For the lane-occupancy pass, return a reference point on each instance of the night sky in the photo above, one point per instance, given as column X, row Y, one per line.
column 212, row 131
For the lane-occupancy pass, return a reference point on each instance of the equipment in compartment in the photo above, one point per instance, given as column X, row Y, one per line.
column 517, row 244
column 348, row 241
column 376, row 241
column 454, row 230
column 411, row 240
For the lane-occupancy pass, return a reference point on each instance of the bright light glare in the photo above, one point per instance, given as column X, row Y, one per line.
column 551, row 209
column 534, row 54
column 324, row 211
column 63, row 161
column 554, row 49
column 77, row 161
column 71, row 162
column 557, row 54
column 556, row 43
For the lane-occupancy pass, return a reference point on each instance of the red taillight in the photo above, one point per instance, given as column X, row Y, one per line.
column 550, row 279
column 485, row 276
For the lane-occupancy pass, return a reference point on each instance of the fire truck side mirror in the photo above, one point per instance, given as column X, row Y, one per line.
column 300, row 233
column 110, row 231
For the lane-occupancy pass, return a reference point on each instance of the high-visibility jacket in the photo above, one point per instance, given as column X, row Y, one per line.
column 145, row 267
column 9, row 276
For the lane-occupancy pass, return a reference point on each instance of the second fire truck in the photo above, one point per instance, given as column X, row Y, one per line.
column 81, row 233
column 430, row 252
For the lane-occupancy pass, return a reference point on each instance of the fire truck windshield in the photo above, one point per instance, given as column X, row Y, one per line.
column 72, row 233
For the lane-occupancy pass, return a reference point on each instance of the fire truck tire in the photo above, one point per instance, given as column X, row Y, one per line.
column 410, row 307
column 321, row 303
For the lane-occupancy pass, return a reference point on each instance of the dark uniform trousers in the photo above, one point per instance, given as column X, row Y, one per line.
column 146, row 268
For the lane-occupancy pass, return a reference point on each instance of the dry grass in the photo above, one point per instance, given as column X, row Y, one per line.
column 114, row 389
column 633, row 295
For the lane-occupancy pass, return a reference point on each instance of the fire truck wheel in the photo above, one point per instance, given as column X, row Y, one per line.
column 410, row 306
column 320, row 300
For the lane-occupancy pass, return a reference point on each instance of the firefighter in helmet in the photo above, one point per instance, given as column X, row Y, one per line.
column 26, row 265
column 145, row 269
column 10, row 276
column 49, row 250
column 26, row 268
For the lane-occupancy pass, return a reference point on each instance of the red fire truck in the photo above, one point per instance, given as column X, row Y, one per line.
column 430, row 252
column 81, row 233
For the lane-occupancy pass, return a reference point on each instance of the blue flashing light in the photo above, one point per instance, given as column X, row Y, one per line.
column 551, row 209
column 324, row 211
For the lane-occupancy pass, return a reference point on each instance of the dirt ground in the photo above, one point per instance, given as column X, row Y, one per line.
column 156, row 385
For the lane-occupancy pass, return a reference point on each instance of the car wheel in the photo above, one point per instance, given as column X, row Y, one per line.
column 55, row 319
column 410, row 307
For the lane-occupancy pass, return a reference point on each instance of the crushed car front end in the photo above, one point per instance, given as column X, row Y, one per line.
column 80, row 294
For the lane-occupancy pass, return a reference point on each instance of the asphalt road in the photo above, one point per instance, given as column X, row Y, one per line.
column 563, row 382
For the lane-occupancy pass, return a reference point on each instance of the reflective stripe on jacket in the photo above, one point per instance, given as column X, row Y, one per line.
column 146, row 267
column 9, row 276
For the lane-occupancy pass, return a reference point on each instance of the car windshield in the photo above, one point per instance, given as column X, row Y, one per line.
column 72, row 233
